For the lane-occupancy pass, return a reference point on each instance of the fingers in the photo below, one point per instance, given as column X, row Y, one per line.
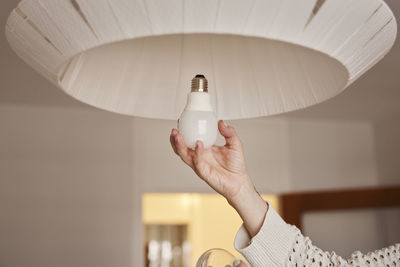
column 230, row 135
column 239, row 263
column 172, row 140
column 198, row 152
column 236, row 263
column 183, row 151
column 189, row 156
column 199, row 148
column 180, row 148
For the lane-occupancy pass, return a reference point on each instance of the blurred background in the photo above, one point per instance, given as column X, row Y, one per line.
column 84, row 187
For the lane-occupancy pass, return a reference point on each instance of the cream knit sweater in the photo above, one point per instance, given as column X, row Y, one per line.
column 280, row 244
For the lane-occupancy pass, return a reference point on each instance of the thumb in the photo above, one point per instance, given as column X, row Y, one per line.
column 231, row 138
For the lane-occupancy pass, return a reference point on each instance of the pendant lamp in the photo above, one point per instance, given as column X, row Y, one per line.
column 261, row 57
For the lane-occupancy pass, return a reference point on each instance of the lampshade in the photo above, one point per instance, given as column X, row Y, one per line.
column 261, row 57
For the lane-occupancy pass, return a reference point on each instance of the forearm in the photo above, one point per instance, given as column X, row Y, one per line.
column 251, row 208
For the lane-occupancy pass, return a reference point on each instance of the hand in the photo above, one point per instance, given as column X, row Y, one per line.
column 221, row 167
column 239, row 263
column 224, row 169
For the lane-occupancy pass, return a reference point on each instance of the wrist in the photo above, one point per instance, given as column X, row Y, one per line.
column 246, row 193
column 251, row 208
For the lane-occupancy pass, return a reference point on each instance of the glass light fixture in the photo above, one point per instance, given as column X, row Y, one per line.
column 216, row 257
column 198, row 120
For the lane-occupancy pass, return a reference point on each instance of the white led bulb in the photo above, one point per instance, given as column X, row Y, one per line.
column 198, row 121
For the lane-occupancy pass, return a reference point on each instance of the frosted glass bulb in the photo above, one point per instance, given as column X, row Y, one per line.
column 198, row 121
column 216, row 258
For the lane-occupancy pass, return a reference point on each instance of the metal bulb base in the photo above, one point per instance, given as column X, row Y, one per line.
column 200, row 84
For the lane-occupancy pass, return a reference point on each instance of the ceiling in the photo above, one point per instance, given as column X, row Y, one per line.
column 374, row 97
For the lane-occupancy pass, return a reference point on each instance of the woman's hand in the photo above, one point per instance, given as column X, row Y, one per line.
column 224, row 169
column 221, row 167
column 239, row 263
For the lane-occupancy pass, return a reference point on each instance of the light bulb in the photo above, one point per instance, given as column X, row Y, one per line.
column 198, row 120
column 216, row 257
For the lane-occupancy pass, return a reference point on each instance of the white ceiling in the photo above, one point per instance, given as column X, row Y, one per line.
column 374, row 97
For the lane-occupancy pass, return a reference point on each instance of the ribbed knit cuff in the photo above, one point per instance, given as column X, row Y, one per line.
column 271, row 245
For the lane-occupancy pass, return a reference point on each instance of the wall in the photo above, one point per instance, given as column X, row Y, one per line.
column 65, row 188
column 332, row 154
column 71, row 179
column 387, row 143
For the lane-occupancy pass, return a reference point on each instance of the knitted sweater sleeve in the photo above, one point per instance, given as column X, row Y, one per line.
column 280, row 244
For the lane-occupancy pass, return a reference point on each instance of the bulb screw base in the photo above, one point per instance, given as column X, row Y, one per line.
column 200, row 84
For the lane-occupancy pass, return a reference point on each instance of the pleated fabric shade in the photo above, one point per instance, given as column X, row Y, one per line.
column 261, row 57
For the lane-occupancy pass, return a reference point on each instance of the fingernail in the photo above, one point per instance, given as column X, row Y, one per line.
column 226, row 125
column 236, row 263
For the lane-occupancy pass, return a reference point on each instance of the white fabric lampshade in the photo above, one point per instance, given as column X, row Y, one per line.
column 261, row 57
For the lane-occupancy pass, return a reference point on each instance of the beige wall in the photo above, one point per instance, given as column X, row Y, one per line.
column 332, row 154
column 387, row 143
column 65, row 188
column 71, row 179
